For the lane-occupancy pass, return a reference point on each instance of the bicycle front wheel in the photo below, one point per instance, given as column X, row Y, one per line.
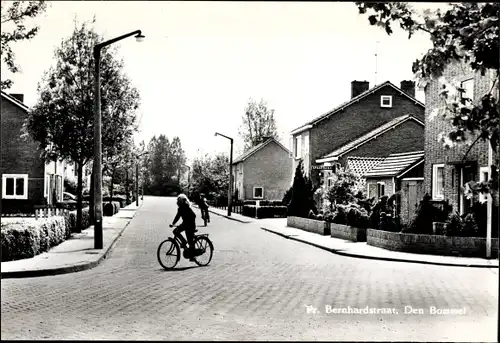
column 168, row 254
column 204, row 244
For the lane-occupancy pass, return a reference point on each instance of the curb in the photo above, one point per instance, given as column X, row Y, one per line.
column 366, row 257
column 68, row 269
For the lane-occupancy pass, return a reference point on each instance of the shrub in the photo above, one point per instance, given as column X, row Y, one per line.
column 340, row 215
column 264, row 211
column 329, row 216
column 250, row 202
column 24, row 239
column 470, row 228
column 287, row 197
column 302, row 195
column 71, row 221
column 271, row 203
column 426, row 214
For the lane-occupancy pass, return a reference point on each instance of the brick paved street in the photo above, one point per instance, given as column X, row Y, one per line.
column 257, row 287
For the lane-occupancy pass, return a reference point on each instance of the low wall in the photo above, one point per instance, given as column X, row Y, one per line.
column 431, row 244
column 317, row 226
column 350, row 233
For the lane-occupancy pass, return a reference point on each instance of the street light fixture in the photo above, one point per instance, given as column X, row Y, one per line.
column 98, row 236
column 230, row 195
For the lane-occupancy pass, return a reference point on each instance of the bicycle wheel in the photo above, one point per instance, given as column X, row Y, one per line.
column 204, row 244
column 168, row 253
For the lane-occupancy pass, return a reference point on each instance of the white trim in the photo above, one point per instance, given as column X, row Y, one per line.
column 301, row 129
column 15, row 101
column 482, row 171
column 255, row 197
column 386, row 97
column 239, row 159
column 15, row 176
column 297, row 144
column 393, row 185
column 434, row 181
column 328, row 159
column 471, row 78
column 407, row 170
column 412, row 179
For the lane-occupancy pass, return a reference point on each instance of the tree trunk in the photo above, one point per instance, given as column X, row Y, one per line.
column 126, row 186
column 111, row 185
column 91, row 194
column 79, row 196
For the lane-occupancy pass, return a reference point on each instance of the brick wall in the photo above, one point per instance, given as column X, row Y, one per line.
column 408, row 206
column 431, row 244
column 356, row 120
column 311, row 225
column 20, row 156
column 271, row 168
column 434, row 151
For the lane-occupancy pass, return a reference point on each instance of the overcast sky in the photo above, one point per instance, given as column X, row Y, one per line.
column 202, row 61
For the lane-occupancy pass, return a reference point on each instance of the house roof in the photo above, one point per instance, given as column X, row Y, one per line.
column 367, row 137
column 395, row 164
column 256, row 148
column 14, row 101
column 357, row 98
column 361, row 165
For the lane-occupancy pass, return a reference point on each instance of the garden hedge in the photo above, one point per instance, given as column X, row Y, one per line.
column 28, row 238
column 264, row 211
column 110, row 209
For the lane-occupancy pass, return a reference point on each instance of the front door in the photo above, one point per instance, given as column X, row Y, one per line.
column 467, row 173
column 412, row 200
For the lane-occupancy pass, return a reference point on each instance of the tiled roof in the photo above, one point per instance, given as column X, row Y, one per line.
column 361, row 165
column 256, row 148
column 368, row 136
column 356, row 99
column 395, row 164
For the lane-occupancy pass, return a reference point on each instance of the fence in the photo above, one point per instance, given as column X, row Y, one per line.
column 222, row 205
column 48, row 211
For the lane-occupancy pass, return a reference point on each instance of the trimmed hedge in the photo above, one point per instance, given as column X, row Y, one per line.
column 28, row 238
column 264, row 211
column 110, row 209
column 23, row 239
column 271, row 203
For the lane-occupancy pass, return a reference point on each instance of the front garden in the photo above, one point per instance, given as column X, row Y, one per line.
column 344, row 212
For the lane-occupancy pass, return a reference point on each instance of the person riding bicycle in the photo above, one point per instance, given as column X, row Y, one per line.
column 188, row 224
column 202, row 204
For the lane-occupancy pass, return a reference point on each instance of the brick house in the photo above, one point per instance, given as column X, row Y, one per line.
column 400, row 135
column 446, row 171
column 367, row 110
column 263, row 172
column 404, row 173
column 26, row 179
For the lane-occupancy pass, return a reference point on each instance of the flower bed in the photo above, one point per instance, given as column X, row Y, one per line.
column 351, row 233
column 431, row 244
column 312, row 225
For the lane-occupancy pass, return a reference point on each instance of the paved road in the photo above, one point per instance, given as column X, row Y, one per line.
column 256, row 288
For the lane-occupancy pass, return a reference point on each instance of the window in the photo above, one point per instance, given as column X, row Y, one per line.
column 298, row 147
column 15, row 186
column 330, row 182
column 386, row 101
column 380, row 189
column 468, row 86
column 438, row 181
column 483, row 177
column 258, row 192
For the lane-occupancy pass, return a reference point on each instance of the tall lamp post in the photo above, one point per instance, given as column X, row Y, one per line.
column 230, row 195
column 98, row 238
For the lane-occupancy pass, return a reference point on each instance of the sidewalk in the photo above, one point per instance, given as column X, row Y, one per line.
column 363, row 250
column 76, row 253
column 234, row 216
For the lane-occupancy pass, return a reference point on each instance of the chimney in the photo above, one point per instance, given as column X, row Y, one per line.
column 18, row 97
column 358, row 87
column 408, row 87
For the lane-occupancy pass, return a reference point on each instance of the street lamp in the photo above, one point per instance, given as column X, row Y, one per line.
column 230, row 195
column 98, row 237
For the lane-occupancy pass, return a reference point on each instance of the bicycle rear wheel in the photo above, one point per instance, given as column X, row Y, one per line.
column 203, row 244
column 168, row 253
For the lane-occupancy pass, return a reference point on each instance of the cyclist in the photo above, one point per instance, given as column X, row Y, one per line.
column 188, row 224
column 202, row 204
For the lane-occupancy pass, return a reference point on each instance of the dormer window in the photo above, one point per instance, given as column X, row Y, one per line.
column 386, row 101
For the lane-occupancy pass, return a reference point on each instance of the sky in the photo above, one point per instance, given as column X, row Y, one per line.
column 201, row 62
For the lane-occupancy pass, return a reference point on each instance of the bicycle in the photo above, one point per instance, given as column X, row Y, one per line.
column 171, row 248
